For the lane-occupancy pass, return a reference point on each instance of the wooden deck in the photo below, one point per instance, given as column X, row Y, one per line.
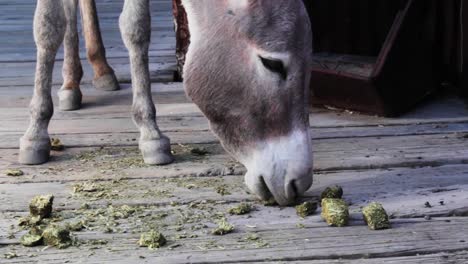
column 402, row 163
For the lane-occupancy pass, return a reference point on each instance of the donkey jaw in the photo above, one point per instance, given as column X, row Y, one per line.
column 280, row 168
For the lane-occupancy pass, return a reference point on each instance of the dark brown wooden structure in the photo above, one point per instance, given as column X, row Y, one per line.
column 378, row 56
column 182, row 36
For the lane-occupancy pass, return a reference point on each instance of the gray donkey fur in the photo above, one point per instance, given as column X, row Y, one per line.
column 247, row 69
column 56, row 19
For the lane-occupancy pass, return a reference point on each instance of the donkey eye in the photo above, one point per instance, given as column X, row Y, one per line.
column 274, row 65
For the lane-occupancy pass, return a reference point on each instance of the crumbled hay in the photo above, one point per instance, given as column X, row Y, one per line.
column 14, row 172
column 306, row 209
column 10, row 255
column 86, row 187
column 29, row 221
column 223, row 190
column 223, row 228
column 41, row 206
column 335, row 212
column 56, row 144
column 152, row 239
column 76, row 225
column 199, row 151
column 57, row 236
column 300, row 225
column 94, row 191
column 31, row 239
column 256, row 240
column 241, row 209
column 270, row 202
column 335, row 192
column 121, row 212
column 112, row 159
column 375, row 216
column 251, row 237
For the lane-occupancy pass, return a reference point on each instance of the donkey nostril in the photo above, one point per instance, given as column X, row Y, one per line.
column 291, row 190
column 266, row 192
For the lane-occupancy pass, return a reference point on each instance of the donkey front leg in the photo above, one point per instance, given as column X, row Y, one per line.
column 135, row 26
column 49, row 30
column 70, row 94
column 104, row 77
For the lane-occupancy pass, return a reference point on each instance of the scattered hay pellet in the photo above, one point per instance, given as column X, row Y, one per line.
column 31, row 240
column 56, row 144
column 57, row 236
column 241, row 209
column 41, row 206
column 223, row 228
column 335, row 192
column 152, row 239
column 14, row 172
column 335, row 212
column 306, row 209
column 375, row 216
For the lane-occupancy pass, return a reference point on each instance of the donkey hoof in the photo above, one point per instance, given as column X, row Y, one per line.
column 156, row 152
column 34, row 152
column 107, row 82
column 69, row 99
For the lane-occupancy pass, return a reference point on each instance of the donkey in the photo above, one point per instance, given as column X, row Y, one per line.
column 247, row 69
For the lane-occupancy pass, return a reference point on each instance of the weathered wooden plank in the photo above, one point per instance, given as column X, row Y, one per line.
column 187, row 134
column 349, row 153
column 117, row 119
column 286, row 243
column 18, row 50
column 403, row 191
column 438, row 113
column 440, row 258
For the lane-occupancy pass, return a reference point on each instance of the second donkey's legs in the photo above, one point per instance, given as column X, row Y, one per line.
column 104, row 77
column 135, row 26
column 70, row 94
column 49, row 30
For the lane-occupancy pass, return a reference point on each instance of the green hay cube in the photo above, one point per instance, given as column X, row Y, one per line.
column 41, row 206
column 57, row 236
column 335, row 212
column 375, row 216
column 152, row 239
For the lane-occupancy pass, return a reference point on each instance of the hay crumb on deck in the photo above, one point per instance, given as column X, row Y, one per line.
column 375, row 216
column 223, row 228
column 241, row 209
column 31, row 239
column 270, row 202
column 335, row 192
column 56, row 144
column 222, row 190
column 14, row 172
column 10, row 255
column 57, row 236
column 152, row 239
column 41, row 206
column 306, row 209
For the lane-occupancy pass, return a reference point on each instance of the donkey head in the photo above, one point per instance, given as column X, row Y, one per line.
column 247, row 69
